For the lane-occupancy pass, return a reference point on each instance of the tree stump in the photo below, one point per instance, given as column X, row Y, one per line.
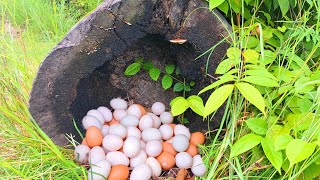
column 85, row 70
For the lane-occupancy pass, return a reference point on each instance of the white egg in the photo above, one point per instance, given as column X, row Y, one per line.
column 139, row 159
column 99, row 171
column 180, row 142
column 155, row 166
column 129, row 120
column 198, row 168
column 105, row 150
column 181, row 129
column 112, row 142
column 131, row 146
column 142, row 145
column 166, row 131
column 145, row 122
column 118, row 129
column 157, row 108
column 81, row 153
column 153, row 148
column 105, row 130
column 88, row 121
column 133, row 131
column 141, row 172
column 118, row 103
column 166, row 117
column 156, row 120
column 95, row 113
column 96, row 154
column 151, row 134
column 117, row 157
column 183, row 160
column 134, row 110
column 107, row 114
column 118, row 114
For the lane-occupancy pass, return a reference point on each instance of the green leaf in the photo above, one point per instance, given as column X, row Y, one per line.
column 166, row 82
column 234, row 53
column 196, row 104
column 257, row 125
column 178, row 87
column 284, row 6
column 251, row 56
column 244, row 144
column 281, row 141
column 276, row 130
column 187, row 87
column 132, row 69
column 224, row 7
column 250, row 42
column 139, row 60
column 261, row 73
column 252, row 95
column 192, row 83
column 169, row 68
column 154, row 73
column 147, row 65
column 235, row 5
column 311, row 172
column 269, row 57
column 226, row 78
column 275, row 157
column 304, row 105
column 179, row 105
column 224, row 66
column 178, row 71
column 261, row 81
column 299, row 122
column 217, row 98
column 215, row 3
column 298, row 150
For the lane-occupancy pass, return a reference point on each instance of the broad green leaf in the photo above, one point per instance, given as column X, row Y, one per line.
column 226, row 78
column 251, row 56
column 252, row 95
column 235, row 5
column 275, row 157
column 281, row 141
column 311, row 172
column 224, row 7
column 196, row 104
column 138, row 60
column 192, row 83
column 179, row 105
column 224, row 66
column 284, row 6
column 132, row 69
column 261, row 73
column 166, row 82
column 178, row 87
column 234, row 53
column 257, row 125
column 169, row 68
column 298, row 150
column 276, row 130
column 261, row 81
column 177, row 71
column 250, row 42
column 217, row 98
column 147, row 65
column 303, row 85
column 269, row 57
column 187, row 87
column 304, row 105
column 299, row 122
column 215, row 3
column 244, row 144
column 154, row 73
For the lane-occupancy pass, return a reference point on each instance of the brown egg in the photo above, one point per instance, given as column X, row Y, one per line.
column 167, row 147
column 113, row 121
column 192, row 150
column 119, row 172
column 172, row 125
column 94, row 136
column 197, row 138
column 84, row 141
column 142, row 109
column 166, row 160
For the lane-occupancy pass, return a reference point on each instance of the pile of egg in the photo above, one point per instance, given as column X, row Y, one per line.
column 130, row 138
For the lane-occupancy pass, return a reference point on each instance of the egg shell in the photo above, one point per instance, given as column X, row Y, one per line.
column 81, row 153
column 157, row 108
column 100, row 171
column 119, row 172
column 142, row 109
column 134, row 110
column 130, row 120
column 153, row 148
column 142, row 145
column 156, row 120
column 112, row 122
column 181, row 129
column 167, row 147
column 131, row 146
column 93, row 136
column 192, row 150
column 155, row 166
column 117, row 157
column 180, row 143
column 106, row 113
column 166, row 117
column 133, row 131
column 151, row 134
column 145, row 122
column 166, row 160
column 88, row 121
column 166, row 131
column 170, row 140
column 118, row 103
column 118, row 114
column 105, row 130
column 84, row 141
column 197, row 138
column 141, row 172
column 139, row 159
column 95, row 113
column 198, row 168
column 118, row 129
column 112, row 142
column 96, row 154
column 183, row 160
